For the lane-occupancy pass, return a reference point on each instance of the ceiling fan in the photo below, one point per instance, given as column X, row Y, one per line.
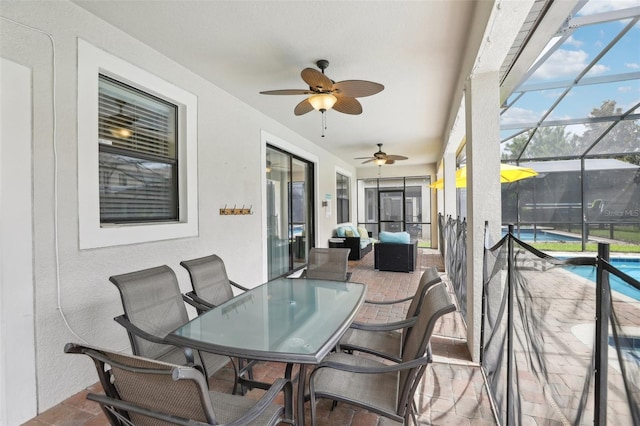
column 379, row 158
column 325, row 94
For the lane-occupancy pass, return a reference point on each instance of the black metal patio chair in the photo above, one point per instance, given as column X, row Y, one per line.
column 382, row 388
column 387, row 340
column 140, row 391
column 153, row 308
column 210, row 282
column 328, row 264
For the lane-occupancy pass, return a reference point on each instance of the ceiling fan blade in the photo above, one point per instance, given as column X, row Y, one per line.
column 357, row 88
column 316, row 80
column 368, row 161
column 287, row 92
column 396, row 157
column 303, row 107
column 348, row 106
column 390, row 161
column 364, row 158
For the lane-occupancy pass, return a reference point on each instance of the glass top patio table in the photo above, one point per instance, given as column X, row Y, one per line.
column 285, row 320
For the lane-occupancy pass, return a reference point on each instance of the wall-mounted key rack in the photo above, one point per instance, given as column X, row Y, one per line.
column 235, row 211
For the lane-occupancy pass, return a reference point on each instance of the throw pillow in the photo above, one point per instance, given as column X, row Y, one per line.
column 394, row 237
column 340, row 231
column 349, row 233
column 363, row 232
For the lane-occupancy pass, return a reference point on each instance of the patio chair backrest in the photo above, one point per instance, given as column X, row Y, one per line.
column 431, row 273
column 426, row 281
column 328, row 264
column 436, row 303
column 156, row 388
column 209, row 279
column 152, row 301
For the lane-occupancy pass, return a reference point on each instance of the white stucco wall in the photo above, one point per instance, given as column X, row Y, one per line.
column 17, row 385
column 230, row 171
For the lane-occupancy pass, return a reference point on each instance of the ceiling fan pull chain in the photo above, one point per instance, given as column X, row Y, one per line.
column 324, row 123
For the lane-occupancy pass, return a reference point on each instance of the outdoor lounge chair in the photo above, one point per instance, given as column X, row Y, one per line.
column 328, row 264
column 210, row 282
column 153, row 308
column 387, row 340
column 141, row 391
column 382, row 388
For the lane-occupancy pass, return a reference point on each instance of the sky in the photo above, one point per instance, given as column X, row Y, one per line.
column 571, row 58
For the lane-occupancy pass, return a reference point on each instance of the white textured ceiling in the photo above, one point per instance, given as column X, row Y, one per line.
column 413, row 48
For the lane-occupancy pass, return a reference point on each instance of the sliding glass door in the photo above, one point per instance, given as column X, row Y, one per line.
column 289, row 211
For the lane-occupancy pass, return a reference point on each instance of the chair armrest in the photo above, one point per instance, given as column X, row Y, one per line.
column 197, row 302
column 389, row 302
column 238, row 286
column 390, row 326
column 106, row 401
column 267, row 399
column 123, row 321
column 378, row 369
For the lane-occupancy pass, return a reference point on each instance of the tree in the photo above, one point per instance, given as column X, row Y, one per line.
column 554, row 141
column 547, row 142
column 623, row 138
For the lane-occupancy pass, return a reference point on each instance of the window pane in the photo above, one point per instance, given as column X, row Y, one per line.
column 136, row 190
column 342, row 198
column 137, row 165
column 135, row 120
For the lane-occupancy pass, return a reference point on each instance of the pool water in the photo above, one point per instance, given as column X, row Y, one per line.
column 629, row 345
column 630, row 267
column 528, row 235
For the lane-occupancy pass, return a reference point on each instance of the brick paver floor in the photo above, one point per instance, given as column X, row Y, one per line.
column 452, row 391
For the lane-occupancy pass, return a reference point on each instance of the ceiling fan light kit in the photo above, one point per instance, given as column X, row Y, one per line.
column 326, row 94
column 380, row 158
column 322, row 101
column 121, row 132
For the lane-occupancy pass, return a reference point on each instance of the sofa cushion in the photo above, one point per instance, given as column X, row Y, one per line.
column 394, row 237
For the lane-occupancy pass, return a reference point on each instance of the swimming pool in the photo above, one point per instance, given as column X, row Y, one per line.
column 630, row 266
column 539, row 235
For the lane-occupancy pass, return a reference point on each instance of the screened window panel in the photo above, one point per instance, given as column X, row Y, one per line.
column 506, row 133
column 626, row 47
column 570, row 59
column 612, row 195
column 138, row 157
column 342, row 198
column 512, row 148
column 553, row 141
column 530, row 107
column 368, row 210
column 590, row 132
column 624, row 137
column 592, row 99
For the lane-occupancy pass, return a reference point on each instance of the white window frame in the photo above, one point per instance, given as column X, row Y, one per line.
column 93, row 61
